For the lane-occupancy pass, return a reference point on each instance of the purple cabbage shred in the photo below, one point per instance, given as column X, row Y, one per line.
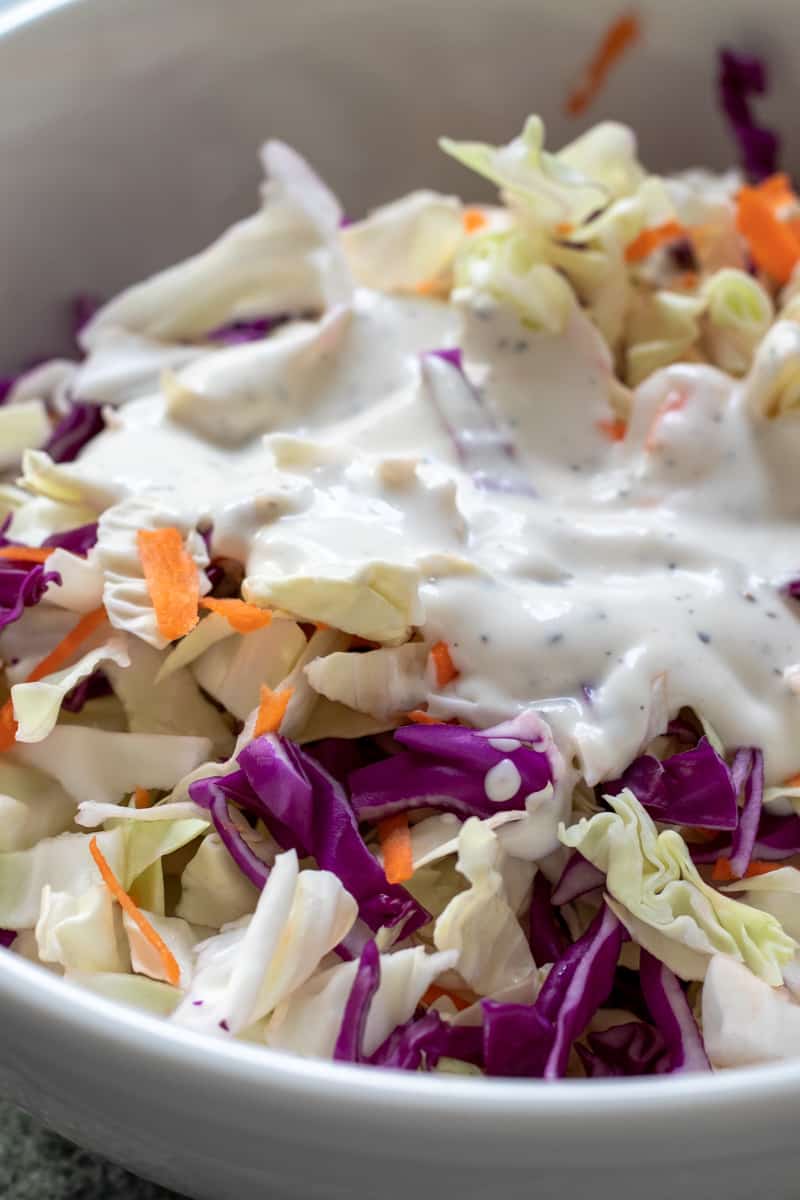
column 349, row 1045
column 742, row 76
column 445, row 767
column 694, row 787
column 74, row 431
column 633, row 1048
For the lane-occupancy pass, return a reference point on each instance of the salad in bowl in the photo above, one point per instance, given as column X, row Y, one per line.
column 400, row 624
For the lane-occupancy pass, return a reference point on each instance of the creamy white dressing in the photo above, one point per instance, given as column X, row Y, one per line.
column 607, row 585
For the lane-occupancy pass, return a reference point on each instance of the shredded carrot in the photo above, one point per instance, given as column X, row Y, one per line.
column 34, row 554
column 773, row 242
column 473, row 220
column 779, row 191
column 793, row 780
column 171, row 968
column 360, row 643
column 271, row 710
column 722, row 872
column 564, row 228
column 172, row 580
column 435, row 993
column 614, row 430
column 428, row 287
column 142, row 798
column 395, row 840
column 8, row 726
column 618, row 38
column 66, row 648
column 241, row 616
column 443, row 664
column 321, row 626
column 688, row 281
column 419, row 717
column 674, row 402
column 53, row 661
column 650, row 239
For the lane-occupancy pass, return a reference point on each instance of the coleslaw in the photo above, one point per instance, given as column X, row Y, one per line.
column 399, row 624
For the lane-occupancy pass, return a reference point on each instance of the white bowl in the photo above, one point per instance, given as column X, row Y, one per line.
column 129, row 137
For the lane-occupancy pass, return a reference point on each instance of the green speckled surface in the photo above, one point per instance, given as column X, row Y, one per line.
column 38, row 1165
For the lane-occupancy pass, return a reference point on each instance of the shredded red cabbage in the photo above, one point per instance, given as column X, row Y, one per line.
column 777, row 838
column 672, row 1015
column 78, row 540
column 305, row 808
column 214, row 794
column 547, row 937
column 516, row 1039
column 694, row 787
column 423, row 1041
column 536, row 1040
column 445, row 767
column 251, row 329
column 83, row 422
column 22, row 586
column 744, row 838
column 340, row 757
column 92, row 687
column 634, row 1048
column 742, row 76
column 7, row 936
column 578, row 877
column 349, row 1045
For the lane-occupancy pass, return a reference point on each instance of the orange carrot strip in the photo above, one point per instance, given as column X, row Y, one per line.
column 793, row 780
column 34, row 554
column 614, row 430
column 241, row 616
column 428, row 287
column 419, row 717
column 271, row 710
column 57, row 657
column 360, row 643
column 473, row 220
column 395, row 840
column 443, row 664
column 8, row 726
column 172, row 580
column 171, row 968
column 722, row 872
column 618, row 38
column 67, row 647
column 650, row 239
column 564, row 228
column 142, row 798
column 435, row 993
column 779, row 191
column 775, row 246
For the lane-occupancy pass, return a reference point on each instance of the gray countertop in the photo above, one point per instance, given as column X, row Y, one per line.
column 38, row 1165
